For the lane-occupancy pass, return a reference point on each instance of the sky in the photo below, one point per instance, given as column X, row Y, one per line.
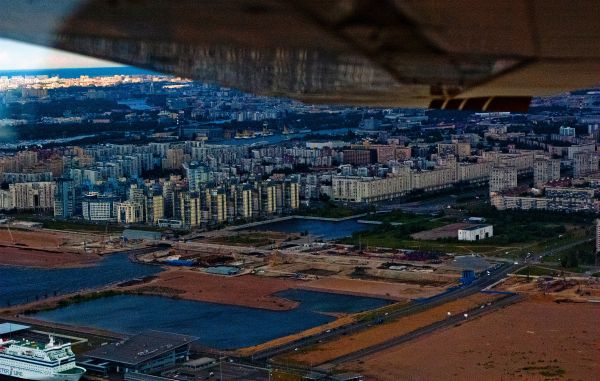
column 21, row 56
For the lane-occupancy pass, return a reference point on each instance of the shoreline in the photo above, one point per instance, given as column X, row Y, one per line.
column 299, row 217
column 192, row 285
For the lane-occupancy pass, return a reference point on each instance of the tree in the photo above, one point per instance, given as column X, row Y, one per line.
column 570, row 260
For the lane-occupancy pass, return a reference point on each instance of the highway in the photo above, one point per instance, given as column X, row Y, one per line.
column 451, row 321
column 483, row 281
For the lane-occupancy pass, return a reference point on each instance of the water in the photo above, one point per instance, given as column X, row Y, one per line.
column 274, row 139
column 24, row 143
column 22, row 284
column 332, row 302
column 329, row 230
column 217, row 325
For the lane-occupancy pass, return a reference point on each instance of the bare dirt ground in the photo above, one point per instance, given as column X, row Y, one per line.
column 446, row 231
column 290, row 338
column 15, row 256
column 388, row 290
column 347, row 344
column 244, row 290
column 533, row 340
column 37, row 239
column 46, row 239
column 569, row 289
column 248, row 238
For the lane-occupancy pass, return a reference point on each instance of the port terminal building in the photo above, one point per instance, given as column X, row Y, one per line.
column 147, row 352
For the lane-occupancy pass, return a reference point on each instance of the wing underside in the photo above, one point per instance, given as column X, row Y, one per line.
column 463, row 54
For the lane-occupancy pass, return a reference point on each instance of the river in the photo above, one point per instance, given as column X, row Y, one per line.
column 22, row 284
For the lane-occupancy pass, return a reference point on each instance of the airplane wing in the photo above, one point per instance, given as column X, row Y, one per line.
column 463, row 54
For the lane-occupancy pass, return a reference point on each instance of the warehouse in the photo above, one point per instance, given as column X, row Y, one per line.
column 475, row 232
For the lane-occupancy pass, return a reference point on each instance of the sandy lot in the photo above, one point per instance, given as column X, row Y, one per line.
column 347, row 319
column 446, row 231
column 347, row 344
column 37, row 239
column 48, row 239
column 388, row 290
column 244, row 290
column 532, row 340
column 570, row 290
column 44, row 258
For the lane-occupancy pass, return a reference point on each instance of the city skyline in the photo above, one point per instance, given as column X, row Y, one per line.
column 16, row 55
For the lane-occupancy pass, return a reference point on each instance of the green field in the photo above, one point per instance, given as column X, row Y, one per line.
column 399, row 216
column 537, row 271
column 81, row 226
column 253, row 239
column 516, row 233
column 329, row 209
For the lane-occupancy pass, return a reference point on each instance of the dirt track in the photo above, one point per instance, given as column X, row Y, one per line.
column 533, row 340
column 446, row 231
column 388, row 290
column 347, row 344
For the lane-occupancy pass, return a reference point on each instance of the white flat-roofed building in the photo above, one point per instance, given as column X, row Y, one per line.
column 98, row 208
column 475, row 232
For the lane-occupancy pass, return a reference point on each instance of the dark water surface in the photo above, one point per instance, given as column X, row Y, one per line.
column 217, row 325
column 22, row 284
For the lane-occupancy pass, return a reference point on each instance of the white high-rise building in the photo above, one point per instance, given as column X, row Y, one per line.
column 545, row 170
column 503, row 178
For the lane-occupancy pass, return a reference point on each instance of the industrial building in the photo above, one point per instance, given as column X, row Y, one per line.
column 132, row 234
column 475, row 233
column 147, row 352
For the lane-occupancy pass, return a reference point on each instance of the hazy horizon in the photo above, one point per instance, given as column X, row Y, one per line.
column 16, row 55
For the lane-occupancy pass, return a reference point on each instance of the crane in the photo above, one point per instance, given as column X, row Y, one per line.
column 12, row 239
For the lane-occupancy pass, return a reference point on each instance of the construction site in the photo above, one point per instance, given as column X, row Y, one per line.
column 470, row 300
column 27, row 244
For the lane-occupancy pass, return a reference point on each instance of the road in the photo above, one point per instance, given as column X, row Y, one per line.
column 483, row 281
column 449, row 322
column 564, row 247
column 480, row 283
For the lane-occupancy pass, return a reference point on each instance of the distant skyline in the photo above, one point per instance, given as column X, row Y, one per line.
column 22, row 56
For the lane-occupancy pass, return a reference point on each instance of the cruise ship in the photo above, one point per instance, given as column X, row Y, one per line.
column 31, row 360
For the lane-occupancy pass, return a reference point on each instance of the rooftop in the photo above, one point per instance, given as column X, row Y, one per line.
column 8, row 328
column 475, row 227
column 141, row 347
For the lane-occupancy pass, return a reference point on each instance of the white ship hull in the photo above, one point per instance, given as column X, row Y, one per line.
column 42, row 374
column 30, row 360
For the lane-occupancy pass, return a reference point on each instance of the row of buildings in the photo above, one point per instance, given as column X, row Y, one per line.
column 179, row 207
column 559, row 199
column 153, row 203
column 404, row 179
